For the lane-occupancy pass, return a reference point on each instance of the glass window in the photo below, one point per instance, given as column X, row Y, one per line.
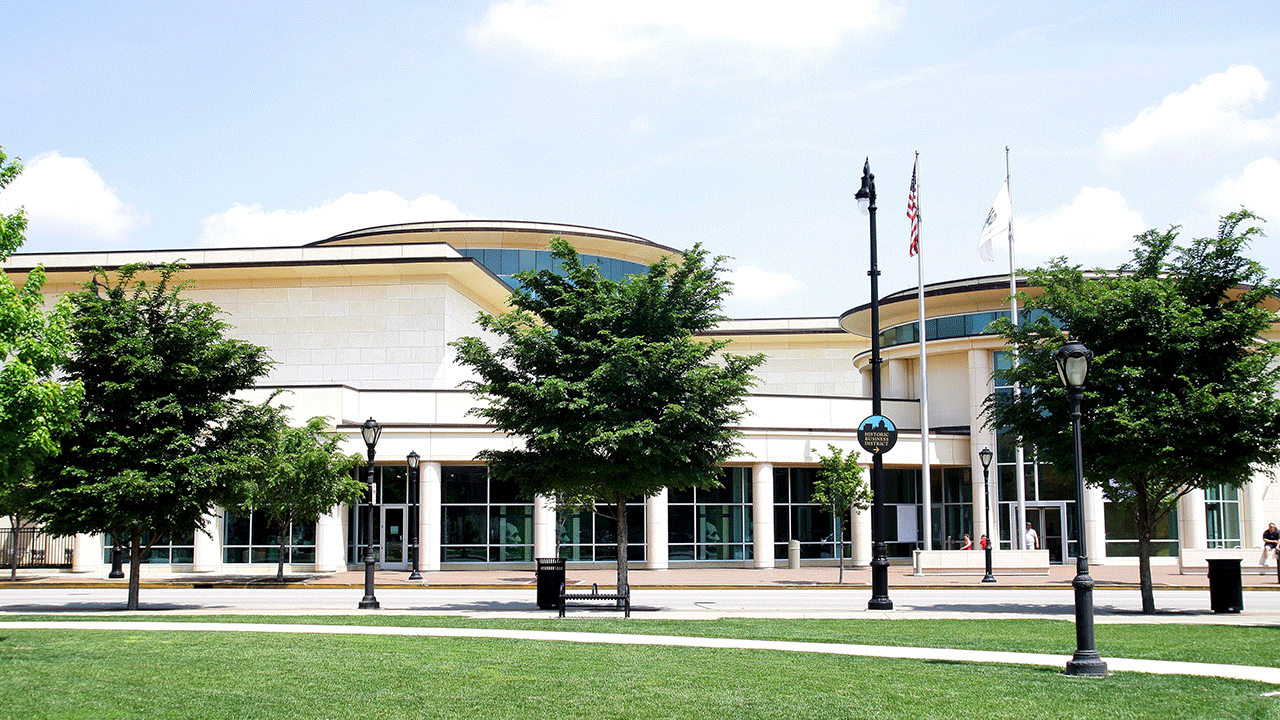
column 713, row 524
column 483, row 519
column 797, row 517
column 1222, row 516
column 252, row 538
column 1122, row 533
column 168, row 550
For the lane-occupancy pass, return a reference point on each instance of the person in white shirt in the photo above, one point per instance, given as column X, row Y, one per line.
column 1030, row 540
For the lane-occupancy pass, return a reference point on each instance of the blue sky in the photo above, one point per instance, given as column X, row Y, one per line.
column 740, row 125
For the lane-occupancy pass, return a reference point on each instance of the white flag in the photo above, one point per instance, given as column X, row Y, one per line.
column 997, row 226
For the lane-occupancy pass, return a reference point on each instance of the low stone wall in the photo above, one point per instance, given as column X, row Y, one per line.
column 967, row 562
column 1195, row 561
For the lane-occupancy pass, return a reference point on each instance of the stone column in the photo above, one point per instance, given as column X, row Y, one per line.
column 899, row 379
column 860, row 538
column 657, row 535
column 762, row 530
column 207, row 548
column 979, row 492
column 86, row 555
column 544, row 527
column 331, row 540
column 980, row 367
column 1253, row 520
column 1192, row 531
column 1095, row 526
column 429, row 534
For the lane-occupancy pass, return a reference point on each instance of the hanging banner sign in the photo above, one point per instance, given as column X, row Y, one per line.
column 877, row 434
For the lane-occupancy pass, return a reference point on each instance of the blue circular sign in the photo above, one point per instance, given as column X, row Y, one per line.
column 877, row 434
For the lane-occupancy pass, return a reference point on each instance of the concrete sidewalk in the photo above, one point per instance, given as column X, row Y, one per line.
column 1164, row 577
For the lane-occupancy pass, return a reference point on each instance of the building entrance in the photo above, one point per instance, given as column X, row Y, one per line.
column 1047, row 521
column 393, row 537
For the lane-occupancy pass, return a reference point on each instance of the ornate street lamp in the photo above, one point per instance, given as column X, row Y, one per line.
column 866, row 197
column 371, row 431
column 1073, row 360
column 413, row 459
column 985, row 456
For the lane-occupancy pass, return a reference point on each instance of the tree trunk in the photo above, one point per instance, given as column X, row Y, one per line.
column 135, row 570
column 280, row 564
column 839, row 536
column 1144, row 549
column 621, row 504
column 14, row 524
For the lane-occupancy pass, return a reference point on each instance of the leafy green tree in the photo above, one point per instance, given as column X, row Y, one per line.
column 606, row 384
column 840, row 486
column 161, row 437
column 36, row 409
column 300, row 475
column 1182, row 390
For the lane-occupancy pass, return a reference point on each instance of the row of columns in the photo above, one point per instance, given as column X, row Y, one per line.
column 332, row 529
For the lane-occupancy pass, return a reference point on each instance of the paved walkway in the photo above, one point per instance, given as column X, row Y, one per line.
column 1162, row 667
column 1163, row 577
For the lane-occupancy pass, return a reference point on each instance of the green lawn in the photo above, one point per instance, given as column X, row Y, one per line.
column 1229, row 644
column 76, row 673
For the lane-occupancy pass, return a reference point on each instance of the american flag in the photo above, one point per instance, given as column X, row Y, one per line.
column 913, row 213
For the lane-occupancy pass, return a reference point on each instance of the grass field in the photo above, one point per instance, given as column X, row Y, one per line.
column 76, row 673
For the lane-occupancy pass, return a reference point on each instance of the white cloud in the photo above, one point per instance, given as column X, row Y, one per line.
column 753, row 285
column 742, row 36
column 65, row 198
column 253, row 226
column 1098, row 221
column 641, row 126
column 1257, row 188
column 1211, row 111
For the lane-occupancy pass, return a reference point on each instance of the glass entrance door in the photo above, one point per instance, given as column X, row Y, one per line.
column 393, row 536
column 1048, row 524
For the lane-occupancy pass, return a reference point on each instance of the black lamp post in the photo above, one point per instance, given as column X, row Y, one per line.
column 371, row 431
column 985, row 456
column 1073, row 360
column 413, row 459
column 866, row 197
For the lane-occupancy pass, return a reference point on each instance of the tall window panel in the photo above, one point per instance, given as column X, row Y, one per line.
column 712, row 524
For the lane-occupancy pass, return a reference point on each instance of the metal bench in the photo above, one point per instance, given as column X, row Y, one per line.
column 595, row 597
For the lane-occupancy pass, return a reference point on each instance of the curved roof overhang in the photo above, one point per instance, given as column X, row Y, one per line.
column 465, row 234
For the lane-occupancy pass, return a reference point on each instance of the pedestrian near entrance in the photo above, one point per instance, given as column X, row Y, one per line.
column 1030, row 540
column 968, row 543
column 984, row 542
column 1270, row 540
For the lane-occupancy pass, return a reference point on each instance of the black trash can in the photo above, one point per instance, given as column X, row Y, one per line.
column 1226, row 593
column 550, row 575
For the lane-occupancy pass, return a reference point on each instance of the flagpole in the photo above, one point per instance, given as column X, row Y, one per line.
column 925, row 475
column 1019, row 536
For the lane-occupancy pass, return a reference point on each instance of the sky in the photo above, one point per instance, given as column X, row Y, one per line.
column 740, row 125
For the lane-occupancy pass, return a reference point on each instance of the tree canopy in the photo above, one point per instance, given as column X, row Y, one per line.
column 300, row 474
column 161, row 437
column 1181, row 394
column 36, row 408
column 606, row 384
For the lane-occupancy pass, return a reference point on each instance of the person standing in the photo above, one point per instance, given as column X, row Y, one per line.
column 1270, row 541
column 1030, row 540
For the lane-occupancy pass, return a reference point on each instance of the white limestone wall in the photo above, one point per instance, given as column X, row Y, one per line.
column 803, row 368
column 367, row 332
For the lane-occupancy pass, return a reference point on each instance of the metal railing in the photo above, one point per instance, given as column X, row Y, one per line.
column 35, row 549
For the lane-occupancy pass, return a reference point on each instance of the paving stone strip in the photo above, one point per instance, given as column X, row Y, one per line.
column 1158, row 667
